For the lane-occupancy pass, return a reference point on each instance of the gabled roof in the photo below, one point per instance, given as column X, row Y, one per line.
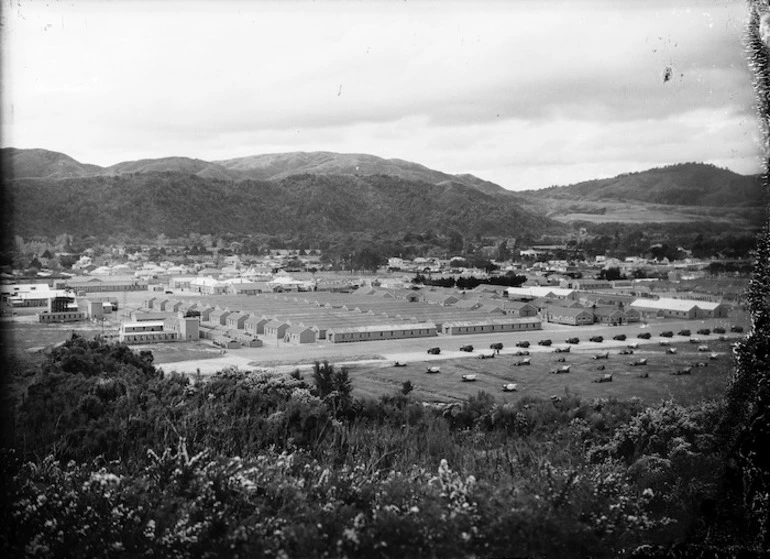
column 666, row 304
column 570, row 311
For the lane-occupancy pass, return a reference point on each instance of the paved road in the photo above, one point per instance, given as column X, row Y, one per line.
column 415, row 350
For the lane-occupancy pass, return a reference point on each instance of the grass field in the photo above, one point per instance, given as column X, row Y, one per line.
column 536, row 380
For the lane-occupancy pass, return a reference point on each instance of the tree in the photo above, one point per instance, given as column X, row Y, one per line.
column 611, row 274
column 333, row 386
column 503, row 253
column 368, row 258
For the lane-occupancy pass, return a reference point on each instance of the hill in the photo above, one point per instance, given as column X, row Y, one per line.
column 281, row 165
column 677, row 193
column 41, row 163
column 176, row 204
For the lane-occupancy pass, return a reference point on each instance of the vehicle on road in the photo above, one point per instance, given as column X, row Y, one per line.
column 704, row 332
column 736, row 329
column 467, row 348
column 573, row 340
column 544, row 342
column 644, row 336
column 434, row 350
column 596, row 339
column 620, row 337
column 522, row 344
column 684, row 332
column 667, row 334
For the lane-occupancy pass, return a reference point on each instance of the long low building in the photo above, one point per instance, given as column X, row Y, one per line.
column 382, row 332
column 491, row 325
column 146, row 332
column 680, row 308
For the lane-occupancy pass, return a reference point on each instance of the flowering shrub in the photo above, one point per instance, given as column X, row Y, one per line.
column 258, row 464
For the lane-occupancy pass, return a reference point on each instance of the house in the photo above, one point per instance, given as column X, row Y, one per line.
column 255, row 325
column 61, row 309
column 609, row 314
column 439, row 298
column 569, row 315
column 249, row 288
column 381, row 332
column 300, row 334
column 275, row 330
column 520, row 309
column 490, row 325
column 680, row 308
column 533, row 292
column 81, row 284
column 219, row 316
column 187, row 328
column 236, row 320
column 146, row 332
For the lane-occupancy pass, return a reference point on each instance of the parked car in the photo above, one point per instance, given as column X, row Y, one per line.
column 434, row 350
column 522, row 344
column 683, row 333
column 736, row 329
column 704, row 331
column 620, row 337
column 544, row 342
column 573, row 340
column 644, row 336
column 597, row 339
column 169, row 292
column 719, row 330
column 467, row 348
column 667, row 334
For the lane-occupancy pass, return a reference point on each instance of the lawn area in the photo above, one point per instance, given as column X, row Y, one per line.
column 536, row 380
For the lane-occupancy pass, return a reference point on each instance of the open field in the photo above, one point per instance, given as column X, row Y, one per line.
column 373, row 374
column 632, row 211
column 536, row 379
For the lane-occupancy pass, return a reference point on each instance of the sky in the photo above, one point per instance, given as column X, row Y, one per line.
column 525, row 94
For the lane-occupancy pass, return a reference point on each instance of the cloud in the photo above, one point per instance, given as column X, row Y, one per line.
column 502, row 89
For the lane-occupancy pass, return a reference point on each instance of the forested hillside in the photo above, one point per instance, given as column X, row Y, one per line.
column 177, row 204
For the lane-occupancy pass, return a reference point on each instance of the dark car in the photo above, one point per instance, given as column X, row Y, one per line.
column 573, row 340
column 597, row 339
column 684, row 332
column 719, row 330
column 434, row 350
column 544, row 342
column 169, row 292
column 522, row 344
column 620, row 337
column 736, row 329
column 667, row 334
column 468, row 348
column 704, row 331
column 644, row 336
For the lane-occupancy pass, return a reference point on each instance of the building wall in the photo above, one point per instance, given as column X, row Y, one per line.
column 67, row 316
column 416, row 332
column 147, row 337
column 455, row 330
column 570, row 320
